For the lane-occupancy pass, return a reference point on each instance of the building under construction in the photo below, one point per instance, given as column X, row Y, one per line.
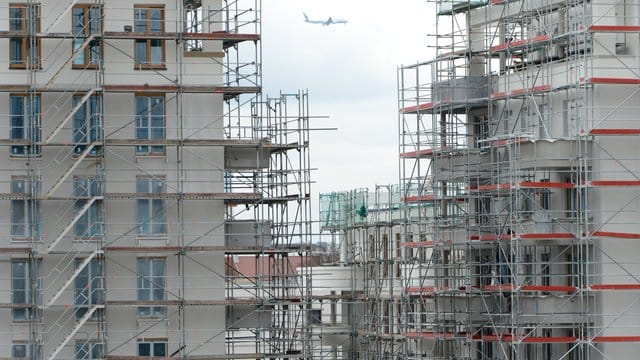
column 519, row 188
column 141, row 164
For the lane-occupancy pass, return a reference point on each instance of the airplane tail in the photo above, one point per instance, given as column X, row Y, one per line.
column 306, row 18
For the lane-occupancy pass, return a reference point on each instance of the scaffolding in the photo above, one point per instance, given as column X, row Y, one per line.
column 518, row 137
column 142, row 162
column 363, row 314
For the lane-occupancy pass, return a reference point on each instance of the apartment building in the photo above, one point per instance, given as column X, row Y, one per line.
column 522, row 133
column 139, row 158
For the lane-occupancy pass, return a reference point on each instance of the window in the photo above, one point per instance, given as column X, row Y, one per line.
column 86, row 21
column 88, row 288
column 150, row 123
column 89, row 226
column 149, row 53
column 25, row 288
column 88, row 350
column 151, row 285
column 25, row 213
column 152, row 347
column 315, row 316
column 24, row 50
column 87, row 123
column 25, row 124
column 151, row 212
column 22, row 350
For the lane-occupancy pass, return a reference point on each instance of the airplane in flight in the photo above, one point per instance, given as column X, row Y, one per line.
column 329, row 21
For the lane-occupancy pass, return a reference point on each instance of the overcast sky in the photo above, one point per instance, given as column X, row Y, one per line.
column 350, row 72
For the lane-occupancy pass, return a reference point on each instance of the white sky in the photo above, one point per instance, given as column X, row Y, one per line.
column 350, row 72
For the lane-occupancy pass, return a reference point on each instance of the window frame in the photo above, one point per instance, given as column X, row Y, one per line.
column 24, row 39
column 148, row 65
column 28, row 205
column 34, row 133
column 151, row 311
column 90, row 279
column 151, row 205
column 30, row 313
column 84, row 116
column 151, row 342
column 149, row 129
column 91, row 345
column 87, row 64
column 88, row 191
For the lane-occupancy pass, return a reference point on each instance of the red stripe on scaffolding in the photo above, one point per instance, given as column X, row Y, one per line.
column 614, row 286
column 619, row 235
column 419, row 198
column 614, row 81
column 603, row 339
column 419, row 107
column 429, row 335
column 614, row 132
column 547, row 185
column 614, row 183
column 411, row 154
column 533, row 90
column 614, row 28
column 425, row 289
column 416, row 244
column 520, row 43
column 546, row 236
column 490, row 237
column 549, row 288
column 525, row 339
column 501, row 287
column 492, row 187
column 504, row 142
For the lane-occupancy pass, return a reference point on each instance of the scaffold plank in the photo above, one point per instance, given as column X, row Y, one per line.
column 416, row 154
column 614, row 132
column 520, row 44
column 546, row 236
column 614, row 81
column 614, row 339
column 619, row 235
column 604, row 183
column 614, row 28
column 547, row 185
column 614, row 286
column 417, row 108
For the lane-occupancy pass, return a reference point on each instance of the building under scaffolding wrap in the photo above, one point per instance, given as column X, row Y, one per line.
column 142, row 164
column 521, row 136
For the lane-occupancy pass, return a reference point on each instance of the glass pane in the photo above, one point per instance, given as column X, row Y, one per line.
column 17, row 117
column 144, row 349
column 18, row 220
column 15, row 49
column 156, row 20
column 94, row 52
column 140, row 20
column 81, row 351
column 79, row 59
column 142, row 185
column 156, row 51
column 16, row 15
column 94, row 19
column 159, row 349
column 79, row 121
column 141, row 51
column 158, row 186
column 19, row 351
column 78, row 21
column 96, row 351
